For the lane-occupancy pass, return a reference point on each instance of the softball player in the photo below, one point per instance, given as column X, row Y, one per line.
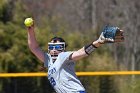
column 60, row 63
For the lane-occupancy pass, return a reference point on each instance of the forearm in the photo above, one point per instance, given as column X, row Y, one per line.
column 32, row 42
column 79, row 54
column 86, row 50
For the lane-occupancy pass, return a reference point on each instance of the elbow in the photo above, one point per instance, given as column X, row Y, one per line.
column 32, row 48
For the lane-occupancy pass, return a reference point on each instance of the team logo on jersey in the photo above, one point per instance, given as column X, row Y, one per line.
column 51, row 79
column 51, row 71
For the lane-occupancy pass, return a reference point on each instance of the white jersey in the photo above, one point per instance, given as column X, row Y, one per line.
column 61, row 74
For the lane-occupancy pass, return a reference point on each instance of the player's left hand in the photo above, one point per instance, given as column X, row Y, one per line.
column 111, row 35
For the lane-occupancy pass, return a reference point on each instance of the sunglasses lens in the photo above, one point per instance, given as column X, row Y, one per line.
column 50, row 47
column 57, row 47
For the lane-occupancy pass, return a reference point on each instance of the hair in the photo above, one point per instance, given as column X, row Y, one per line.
column 55, row 39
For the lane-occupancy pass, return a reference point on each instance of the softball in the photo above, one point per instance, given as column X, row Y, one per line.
column 28, row 22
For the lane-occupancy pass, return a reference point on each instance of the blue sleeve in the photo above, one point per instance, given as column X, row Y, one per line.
column 47, row 59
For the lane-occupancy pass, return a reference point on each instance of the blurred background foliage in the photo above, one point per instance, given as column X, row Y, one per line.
column 79, row 22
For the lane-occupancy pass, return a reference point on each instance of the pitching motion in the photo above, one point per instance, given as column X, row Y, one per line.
column 61, row 63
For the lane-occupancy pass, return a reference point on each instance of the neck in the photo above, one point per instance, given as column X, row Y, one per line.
column 54, row 60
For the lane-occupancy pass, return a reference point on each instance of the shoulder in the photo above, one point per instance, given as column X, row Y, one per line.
column 65, row 55
column 47, row 55
column 47, row 59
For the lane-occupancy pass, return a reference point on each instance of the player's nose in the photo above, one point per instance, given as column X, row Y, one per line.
column 54, row 50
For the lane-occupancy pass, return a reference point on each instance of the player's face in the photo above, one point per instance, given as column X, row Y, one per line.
column 55, row 52
column 55, row 48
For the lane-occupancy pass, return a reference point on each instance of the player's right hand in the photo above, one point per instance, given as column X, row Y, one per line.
column 31, row 28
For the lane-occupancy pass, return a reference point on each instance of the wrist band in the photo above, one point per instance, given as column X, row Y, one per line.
column 89, row 48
